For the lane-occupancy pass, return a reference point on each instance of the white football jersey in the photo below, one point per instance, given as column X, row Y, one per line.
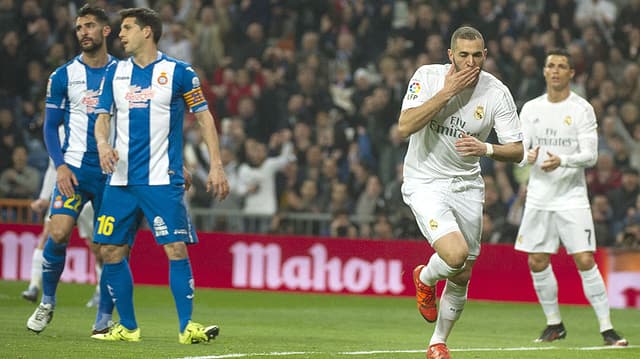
column 474, row 111
column 567, row 129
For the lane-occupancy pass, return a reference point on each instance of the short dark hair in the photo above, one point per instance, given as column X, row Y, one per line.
column 145, row 17
column 95, row 11
column 560, row 52
column 466, row 33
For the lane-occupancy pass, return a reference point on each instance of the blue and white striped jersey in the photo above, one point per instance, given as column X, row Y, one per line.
column 74, row 88
column 149, row 110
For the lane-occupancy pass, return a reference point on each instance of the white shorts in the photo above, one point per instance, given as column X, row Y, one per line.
column 443, row 206
column 85, row 222
column 542, row 231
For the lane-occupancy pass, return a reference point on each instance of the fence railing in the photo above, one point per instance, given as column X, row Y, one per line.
column 14, row 210
column 236, row 221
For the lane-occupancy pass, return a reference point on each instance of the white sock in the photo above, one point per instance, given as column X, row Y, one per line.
column 596, row 293
column 36, row 269
column 436, row 270
column 451, row 305
column 546, row 287
column 98, row 268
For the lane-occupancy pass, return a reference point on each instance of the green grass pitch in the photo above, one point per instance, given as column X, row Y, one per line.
column 279, row 325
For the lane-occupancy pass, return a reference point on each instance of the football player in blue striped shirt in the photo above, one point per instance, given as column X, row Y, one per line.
column 149, row 93
column 72, row 96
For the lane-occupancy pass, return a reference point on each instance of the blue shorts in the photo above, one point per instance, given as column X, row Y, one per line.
column 162, row 206
column 90, row 188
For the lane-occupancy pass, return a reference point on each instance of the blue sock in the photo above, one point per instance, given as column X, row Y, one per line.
column 52, row 266
column 182, row 287
column 105, row 308
column 119, row 280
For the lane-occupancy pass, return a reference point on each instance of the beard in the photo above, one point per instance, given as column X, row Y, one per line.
column 91, row 48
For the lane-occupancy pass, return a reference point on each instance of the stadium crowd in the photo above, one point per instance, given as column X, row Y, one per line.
column 307, row 94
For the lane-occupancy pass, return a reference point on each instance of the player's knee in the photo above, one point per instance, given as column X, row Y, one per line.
column 111, row 254
column 59, row 234
column 585, row 261
column 538, row 263
column 456, row 259
column 176, row 250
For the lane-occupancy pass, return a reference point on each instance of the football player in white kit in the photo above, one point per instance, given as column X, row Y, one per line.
column 561, row 127
column 448, row 111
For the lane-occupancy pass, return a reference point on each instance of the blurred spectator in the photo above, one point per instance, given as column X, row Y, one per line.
column 13, row 70
column 20, row 180
column 604, row 176
column 178, row 42
column 341, row 225
column 602, row 220
column 624, row 197
column 391, row 154
column 11, row 137
column 530, row 84
column 370, row 201
column 259, row 176
column 209, row 35
column 382, row 228
column 252, row 46
column 339, row 199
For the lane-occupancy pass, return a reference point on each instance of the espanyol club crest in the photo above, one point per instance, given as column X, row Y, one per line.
column 57, row 203
column 163, row 79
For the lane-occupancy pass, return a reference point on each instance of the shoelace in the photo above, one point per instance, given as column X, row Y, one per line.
column 424, row 294
column 41, row 313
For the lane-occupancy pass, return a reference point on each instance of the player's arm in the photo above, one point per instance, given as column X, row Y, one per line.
column 216, row 180
column 471, row 146
column 587, row 153
column 102, row 129
column 508, row 128
column 414, row 119
column 53, row 118
column 108, row 155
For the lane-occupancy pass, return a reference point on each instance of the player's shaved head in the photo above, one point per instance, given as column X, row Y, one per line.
column 466, row 33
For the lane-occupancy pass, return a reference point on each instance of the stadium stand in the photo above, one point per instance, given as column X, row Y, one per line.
column 333, row 73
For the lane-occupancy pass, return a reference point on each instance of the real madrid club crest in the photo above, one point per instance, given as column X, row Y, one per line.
column 479, row 114
column 163, row 79
column 567, row 120
column 433, row 224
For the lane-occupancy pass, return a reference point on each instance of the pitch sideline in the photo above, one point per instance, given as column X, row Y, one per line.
column 247, row 355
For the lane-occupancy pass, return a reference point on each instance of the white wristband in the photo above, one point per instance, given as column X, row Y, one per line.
column 489, row 149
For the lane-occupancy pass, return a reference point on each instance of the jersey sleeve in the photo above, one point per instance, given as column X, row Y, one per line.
column 417, row 90
column 105, row 99
column 57, row 90
column 192, row 95
column 506, row 120
column 527, row 129
column 587, row 154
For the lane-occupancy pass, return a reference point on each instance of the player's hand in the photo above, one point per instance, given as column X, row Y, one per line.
column 470, row 146
column 39, row 205
column 188, row 179
column 532, row 155
column 550, row 163
column 217, row 182
column 108, row 157
column 456, row 81
column 66, row 180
